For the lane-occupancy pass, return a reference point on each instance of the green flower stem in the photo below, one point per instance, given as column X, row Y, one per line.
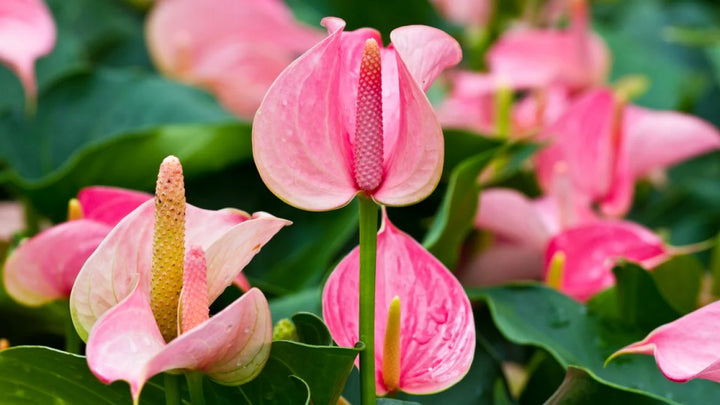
column 72, row 340
column 172, row 389
column 368, row 253
column 195, row 385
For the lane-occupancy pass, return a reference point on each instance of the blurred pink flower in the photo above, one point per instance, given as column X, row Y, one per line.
column 118, row 300
column 43, row 268
column 436, row 328
column 608, row 145
column 235, row 50
column 474, row 13
column 686, row 348
column 330, row 128
column 591, row 250
column 27, row 32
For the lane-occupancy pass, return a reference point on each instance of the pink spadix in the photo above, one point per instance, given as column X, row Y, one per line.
column 369, row 124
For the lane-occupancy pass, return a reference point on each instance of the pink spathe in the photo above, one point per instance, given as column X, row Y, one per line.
column 437, row 332
column 304, row 131
column 686, row 348
column 27, row 32
column 43, row 268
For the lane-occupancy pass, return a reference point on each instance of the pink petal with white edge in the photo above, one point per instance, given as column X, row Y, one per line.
column 27, row 32
column 657, row 139
column 230, row 347
column 686, row 348
column 591, row 251
column 437, row 330
column 304, row 158
column 43, row 268
column 124, row 258
column 109, row 204
column 426, row 52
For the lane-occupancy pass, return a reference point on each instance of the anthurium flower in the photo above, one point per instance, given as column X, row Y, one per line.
column 43, row 268
column 608, row 145
column 521, row 229
column 235, row 51
column 141, row 300
column 349, row 116
column 27, row 32
column 686, row 348
column 473, row 13
column 588, row 252
column 423, row 319
column 574, row 58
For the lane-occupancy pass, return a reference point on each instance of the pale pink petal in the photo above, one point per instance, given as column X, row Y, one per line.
column 27, row 32
column 437, row 330
column 501, row 262
column 109, row 204
column 539, row 109
column 177, row 39
column 304, row 157
column 124, row 258
column 123, row 341
column 539, row 58
column 466, row 12
column 657, row 139
column 413, row 141
column 12, row 219
column 44, row 267
column 686, row 348
column 231, row 347
column 426, row 51
column 242, row 282
column 582, row 138
column 513, row 216
column 591, row 251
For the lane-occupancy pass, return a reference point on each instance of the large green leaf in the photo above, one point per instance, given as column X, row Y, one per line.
column 40, row 375
column 579, row 388
column 538, row 316
column 114, row 127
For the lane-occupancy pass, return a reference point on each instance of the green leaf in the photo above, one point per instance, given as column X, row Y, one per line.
column 678, row 281
column 324, row 368
column 579, row 388
column 457, row 210
column 306, row 300
column 311, row 329
column 114, row 127
column 40, row 375
column 461, row 145
column 635, row 300
column 538, row 316
column 274, row 386
column 392, row 401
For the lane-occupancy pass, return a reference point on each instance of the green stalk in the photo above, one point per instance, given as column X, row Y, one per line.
column 72, row 340
column 172, row 389
column 32, row 220
column 368, row 253
column 195, row 385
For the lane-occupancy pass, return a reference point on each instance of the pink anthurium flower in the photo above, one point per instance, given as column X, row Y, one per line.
column 586, row 254
column 355, row 119
column 607, row 146
column 141, row 300
column 235, row 51
column 686, row 348
column 423, row 319
column 529, row 58
column 474, row 13
column 27, row 32
column 43, row 268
